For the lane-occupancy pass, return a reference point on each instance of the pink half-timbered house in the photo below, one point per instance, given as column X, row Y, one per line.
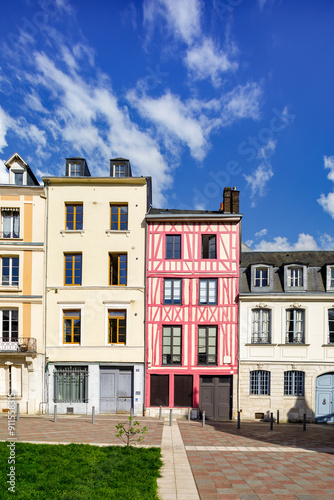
column 192, row 308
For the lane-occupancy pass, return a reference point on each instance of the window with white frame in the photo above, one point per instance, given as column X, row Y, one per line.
column 208, row 291
column 294, row 333
column 10, row 222
column 75, row 170
column 10, row 271
column 259, row 383
column 330, row 326
column 9, row 324
column 172, row 291
column 261, row 277
column 294, row 383
column 261, row 319
column 70, row 384
column 295, row 277
column 330, row 278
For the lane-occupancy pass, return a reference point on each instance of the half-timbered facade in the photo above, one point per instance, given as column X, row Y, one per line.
column 192, row 310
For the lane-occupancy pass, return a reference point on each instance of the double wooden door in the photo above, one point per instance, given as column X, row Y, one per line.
column 216, row 396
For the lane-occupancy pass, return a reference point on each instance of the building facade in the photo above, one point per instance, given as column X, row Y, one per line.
column 22, row 252
column 95, row 289
column 192, row 309
column 287, row 335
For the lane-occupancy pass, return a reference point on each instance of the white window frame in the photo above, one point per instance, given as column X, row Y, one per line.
column 64, row 306
column 13, row 211
column 270, row 276
column 295, row 332
column 207, row 281
column 73, row 168
column 261, row 310
column 10, row 284
column 327, row 341
column 290, row 284
column 172, row 290
column 124, row 306
column 329, row 279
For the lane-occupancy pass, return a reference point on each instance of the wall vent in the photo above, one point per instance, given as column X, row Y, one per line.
column 69, row 410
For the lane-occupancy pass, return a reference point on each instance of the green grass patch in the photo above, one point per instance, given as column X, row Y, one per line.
column 80, row 471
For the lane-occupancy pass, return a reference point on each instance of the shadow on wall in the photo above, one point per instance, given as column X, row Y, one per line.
column 296, row 414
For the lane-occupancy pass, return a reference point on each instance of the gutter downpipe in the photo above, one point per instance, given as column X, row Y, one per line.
column 145, row 315
column 45, row 384
column 238, row 377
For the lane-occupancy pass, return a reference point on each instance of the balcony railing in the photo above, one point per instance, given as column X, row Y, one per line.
column 20, row 344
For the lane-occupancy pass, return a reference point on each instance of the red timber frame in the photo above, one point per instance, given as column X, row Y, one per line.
column 190, row 315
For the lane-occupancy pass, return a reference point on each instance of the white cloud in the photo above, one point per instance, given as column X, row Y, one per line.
column 257, row 181
column 327, row 201
column 243, row 102
column 304, row 242
column 261, row 233
column 205, row 60
column 203, row 57
column 4, row 125
column 89, row 118
column 182, row 17
column 4, row 177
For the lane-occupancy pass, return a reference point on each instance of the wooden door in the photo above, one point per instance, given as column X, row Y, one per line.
column 216, row 396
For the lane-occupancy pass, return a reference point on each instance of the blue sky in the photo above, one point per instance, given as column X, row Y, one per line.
column 198, row 95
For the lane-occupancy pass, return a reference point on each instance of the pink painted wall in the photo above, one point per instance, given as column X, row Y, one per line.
column 190, row 268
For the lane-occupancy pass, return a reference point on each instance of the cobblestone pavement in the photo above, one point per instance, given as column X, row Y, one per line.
column 77, row 429
column 257, row 463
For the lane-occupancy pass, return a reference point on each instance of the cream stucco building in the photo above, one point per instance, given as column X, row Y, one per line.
column 22, row 251
column 287, row 335
column 96, row 289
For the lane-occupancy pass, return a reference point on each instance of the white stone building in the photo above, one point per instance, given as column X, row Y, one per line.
column 286, row 335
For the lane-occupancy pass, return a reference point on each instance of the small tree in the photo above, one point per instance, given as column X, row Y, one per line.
column 129, row 430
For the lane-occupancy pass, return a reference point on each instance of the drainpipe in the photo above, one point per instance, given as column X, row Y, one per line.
column 145, row 316
column 45, row 377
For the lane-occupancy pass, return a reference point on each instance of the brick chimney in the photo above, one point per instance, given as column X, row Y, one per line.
column 230, row 203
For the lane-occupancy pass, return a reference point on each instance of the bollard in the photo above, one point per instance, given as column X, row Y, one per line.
column 203, row 419
column 55, row 413
column 160, row 413
column 131, row 412
column 170, row 417
column 271, row 421
column 304, row 422
column 93, row 414
column 189, row 411
column 278, row 416
column 18, row 411
column 238, row 419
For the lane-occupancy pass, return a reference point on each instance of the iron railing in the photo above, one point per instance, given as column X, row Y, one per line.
column 19, row 344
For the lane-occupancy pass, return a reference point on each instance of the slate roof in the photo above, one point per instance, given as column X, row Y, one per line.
column 315, row 261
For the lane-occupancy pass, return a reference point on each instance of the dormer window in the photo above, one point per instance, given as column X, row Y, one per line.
column 261, row 278
column 330, row 278
column 295, row 278
column 74, row 170
column 120, row 167
column 18, row 178
column 20, row 174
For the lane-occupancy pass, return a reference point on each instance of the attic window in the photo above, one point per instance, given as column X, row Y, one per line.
column 119, row 170
column 74, row 170
column 18, row 178
column 261, row 277
column 330, row 278
column 295, row 277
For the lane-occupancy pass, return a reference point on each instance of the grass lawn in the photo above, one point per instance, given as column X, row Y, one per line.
column 80, row 471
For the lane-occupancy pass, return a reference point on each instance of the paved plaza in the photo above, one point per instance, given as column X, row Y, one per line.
column 218, row 461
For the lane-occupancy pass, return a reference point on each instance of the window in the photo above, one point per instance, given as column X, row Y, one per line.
column 295, row 276
column 119, row 170
column 329, row 278
column 74, row 170
column 18, row 178
column 294, row 383
column 261, row 278
column 294, row 326
column 172, row 291
column 118, row 263
column 207, row 291
column 331, row 326
column 10, row 223
column 117, row 327
column 209, row 246
column 171, row 345
column 259, row 383
column 207, row 345
column 9, row 324
column 261, row 326
column 73, row 268
column 119, row 217
column 74, row 216
column 173, row 246
column 10, row 271
column 71, row 384
column 72, row 326
column 332, row 277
